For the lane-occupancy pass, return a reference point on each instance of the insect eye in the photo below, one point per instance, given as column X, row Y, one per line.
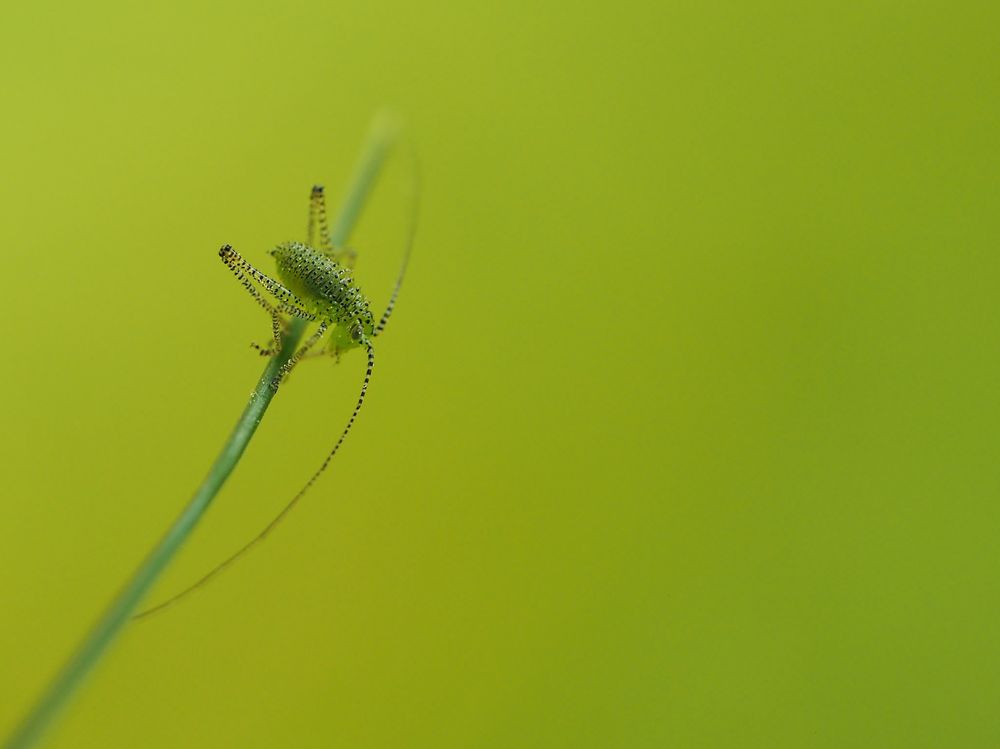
column 356, row 333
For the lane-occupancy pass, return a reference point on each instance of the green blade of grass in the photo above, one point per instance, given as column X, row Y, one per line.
column 102, row 635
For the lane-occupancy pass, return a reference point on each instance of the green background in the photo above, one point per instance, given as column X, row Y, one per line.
column 684, row 432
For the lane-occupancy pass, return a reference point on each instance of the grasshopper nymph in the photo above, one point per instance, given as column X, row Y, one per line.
column 316, row 284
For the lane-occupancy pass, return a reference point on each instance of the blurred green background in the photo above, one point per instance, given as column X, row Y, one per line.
column 684, row 432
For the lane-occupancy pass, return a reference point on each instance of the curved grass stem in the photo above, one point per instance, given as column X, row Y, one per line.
column 110, row 624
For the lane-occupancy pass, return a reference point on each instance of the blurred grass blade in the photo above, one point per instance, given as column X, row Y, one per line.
column 381, row 138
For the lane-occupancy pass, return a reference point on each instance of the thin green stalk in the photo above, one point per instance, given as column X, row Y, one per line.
column 107, row 628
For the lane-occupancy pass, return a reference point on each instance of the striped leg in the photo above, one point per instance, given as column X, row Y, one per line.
column 288, row 302
column 303, row 351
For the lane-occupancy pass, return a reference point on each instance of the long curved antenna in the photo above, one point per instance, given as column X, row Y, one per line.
column 284, row 512
column 411, row 234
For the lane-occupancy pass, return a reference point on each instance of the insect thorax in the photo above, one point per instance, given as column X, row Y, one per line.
column 326, row 286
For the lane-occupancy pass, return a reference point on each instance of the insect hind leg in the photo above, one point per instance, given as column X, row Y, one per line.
column 287, row 301
column 318, row 223
column 317, row 220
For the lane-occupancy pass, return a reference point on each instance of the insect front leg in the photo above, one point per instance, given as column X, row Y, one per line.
column 303, row 351
column 328, row 350
column 278, row 329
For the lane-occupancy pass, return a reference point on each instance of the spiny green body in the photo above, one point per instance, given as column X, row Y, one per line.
column 326, row 287
column 323, row 282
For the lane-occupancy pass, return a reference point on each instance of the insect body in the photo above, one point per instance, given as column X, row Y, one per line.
column 327, row 284
column 316, row 284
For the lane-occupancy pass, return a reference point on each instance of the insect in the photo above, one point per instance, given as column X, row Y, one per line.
column 316, row 284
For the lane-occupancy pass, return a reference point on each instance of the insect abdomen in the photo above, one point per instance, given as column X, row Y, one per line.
column 320, row 281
